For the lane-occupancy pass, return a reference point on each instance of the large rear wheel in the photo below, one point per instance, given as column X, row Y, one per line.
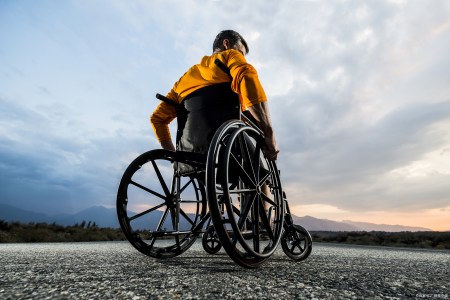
column 244, row 194
column 158, row 209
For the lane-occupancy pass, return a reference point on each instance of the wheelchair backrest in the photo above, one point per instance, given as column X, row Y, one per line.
column 201, row 113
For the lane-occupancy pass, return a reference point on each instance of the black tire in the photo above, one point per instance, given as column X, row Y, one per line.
column 157, row 210
column 296, row 242
column 210, row 241
column 237, row 170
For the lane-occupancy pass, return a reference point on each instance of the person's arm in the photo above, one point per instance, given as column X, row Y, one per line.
column 167, row 145
column 260, row 112
column 160, row 120
column 246, row 83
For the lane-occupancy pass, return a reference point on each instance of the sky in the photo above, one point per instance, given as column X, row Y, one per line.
column 359, row 95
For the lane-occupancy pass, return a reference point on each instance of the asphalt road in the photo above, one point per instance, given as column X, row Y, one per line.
column 114, row 270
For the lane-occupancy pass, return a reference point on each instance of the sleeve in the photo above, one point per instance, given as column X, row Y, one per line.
column 245, row 80
column 160, row 119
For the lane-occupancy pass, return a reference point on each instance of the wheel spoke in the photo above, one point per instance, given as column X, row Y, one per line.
column 186, row 217
column 245, row 151
column 233, row 186
column 255, row 223
column 268, row 200
column 265, row 220
column 244, row 212
column 257, row 161
column 158, row 228
column 241, row 191
column 147, row 189
column 173, row 216
column 292, row 249
column 185, row 186
column 190, row 201
column 162, row 220
column 242, row 171
column 160, row 178
column 264, row 179
column 146, row 212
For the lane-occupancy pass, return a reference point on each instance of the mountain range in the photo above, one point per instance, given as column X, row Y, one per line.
column 107, row 217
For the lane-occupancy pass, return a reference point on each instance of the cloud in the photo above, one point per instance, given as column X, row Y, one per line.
column 51, row 166
column 361, row 93
column 358, row 94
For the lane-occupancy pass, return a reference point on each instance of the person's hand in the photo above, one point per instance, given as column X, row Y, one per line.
column 260, row 112
column 167, row 145
column 271, row 148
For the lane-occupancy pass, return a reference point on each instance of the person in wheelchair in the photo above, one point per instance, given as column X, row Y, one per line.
column 207, row 78
column 221, row 180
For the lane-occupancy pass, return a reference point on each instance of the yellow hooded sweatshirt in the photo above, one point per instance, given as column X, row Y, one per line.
column 245, row 82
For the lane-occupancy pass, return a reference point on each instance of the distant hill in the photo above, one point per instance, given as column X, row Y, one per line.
column 364, row 226
column 315, row 224
column 102, row 216
column 107, row 217
column 10, row 213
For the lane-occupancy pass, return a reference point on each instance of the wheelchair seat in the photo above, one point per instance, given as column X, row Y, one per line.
column 201, row 113
column 199, row 116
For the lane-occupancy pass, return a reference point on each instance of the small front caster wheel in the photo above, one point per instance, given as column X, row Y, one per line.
column 210, row 241
column 296, row 242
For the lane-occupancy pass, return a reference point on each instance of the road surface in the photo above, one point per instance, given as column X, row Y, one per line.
column 115, row 270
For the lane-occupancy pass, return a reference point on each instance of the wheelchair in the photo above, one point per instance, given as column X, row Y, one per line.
column 218, row 185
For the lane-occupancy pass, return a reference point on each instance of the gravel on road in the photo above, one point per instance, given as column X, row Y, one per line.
column 115, row 270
